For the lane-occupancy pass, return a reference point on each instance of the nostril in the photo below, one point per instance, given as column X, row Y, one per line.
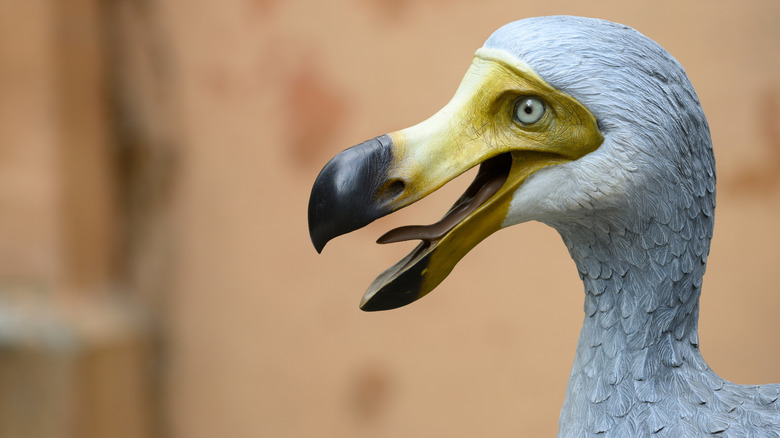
column 391, row 190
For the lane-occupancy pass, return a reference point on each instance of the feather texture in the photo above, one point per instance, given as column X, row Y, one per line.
column 637, row 217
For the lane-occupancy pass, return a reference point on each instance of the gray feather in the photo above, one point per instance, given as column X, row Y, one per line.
column 640, row 244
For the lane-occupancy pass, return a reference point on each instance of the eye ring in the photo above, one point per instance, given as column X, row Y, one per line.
column 529, row 110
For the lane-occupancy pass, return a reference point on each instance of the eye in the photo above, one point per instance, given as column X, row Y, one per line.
column 529, row 110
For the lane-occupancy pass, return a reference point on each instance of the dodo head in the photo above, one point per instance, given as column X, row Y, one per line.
column 573, row 122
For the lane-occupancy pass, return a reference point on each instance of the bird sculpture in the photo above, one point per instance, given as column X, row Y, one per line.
column 592, row 128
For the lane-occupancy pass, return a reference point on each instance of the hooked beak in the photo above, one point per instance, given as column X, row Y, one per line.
column 478, row 127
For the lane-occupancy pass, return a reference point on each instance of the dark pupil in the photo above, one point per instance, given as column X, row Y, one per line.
column 528, row 109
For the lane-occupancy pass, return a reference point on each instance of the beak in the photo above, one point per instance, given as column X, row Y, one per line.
column 478, row 127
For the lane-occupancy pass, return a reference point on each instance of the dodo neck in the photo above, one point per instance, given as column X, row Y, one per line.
column 642, row 291
column 641, row 288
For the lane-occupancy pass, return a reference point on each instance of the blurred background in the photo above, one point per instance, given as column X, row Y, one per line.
column 156, row 274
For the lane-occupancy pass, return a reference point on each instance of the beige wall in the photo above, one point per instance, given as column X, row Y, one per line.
column 263, row 337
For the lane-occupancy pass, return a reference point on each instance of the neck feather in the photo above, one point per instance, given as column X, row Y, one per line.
column 642, row 289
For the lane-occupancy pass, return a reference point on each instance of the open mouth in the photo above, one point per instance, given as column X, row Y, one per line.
column 362, row 184
column 490, row 177
column 406, row 276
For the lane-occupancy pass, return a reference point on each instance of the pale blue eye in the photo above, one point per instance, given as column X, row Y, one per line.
column 529, row 110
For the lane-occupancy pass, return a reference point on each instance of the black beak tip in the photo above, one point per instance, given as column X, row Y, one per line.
column 387, row 302
column 317, row 240
column 318, row 246
column 343, row 197
column 319, row 232
column 327, row 218
column 404, row 288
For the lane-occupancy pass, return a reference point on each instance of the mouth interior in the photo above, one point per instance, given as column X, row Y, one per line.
column 492, row 174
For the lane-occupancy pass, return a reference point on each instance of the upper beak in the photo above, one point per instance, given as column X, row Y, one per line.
column 347, row 193
column 390, row 172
